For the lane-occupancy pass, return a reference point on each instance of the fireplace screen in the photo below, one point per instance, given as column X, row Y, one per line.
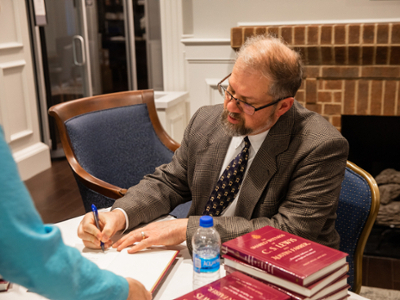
column 375, row 146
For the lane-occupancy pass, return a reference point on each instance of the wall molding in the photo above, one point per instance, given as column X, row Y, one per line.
column 20, row 135
column 213, row 93
column 32, row 160
column 172, row 49
column 205, row 42
column 14, row 45
column 4, row 103
column 16, row 8
column 210, row 60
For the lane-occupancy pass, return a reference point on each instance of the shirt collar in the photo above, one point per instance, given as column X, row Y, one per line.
column 255, row 140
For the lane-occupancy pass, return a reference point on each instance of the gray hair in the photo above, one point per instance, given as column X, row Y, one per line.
column 278, row 63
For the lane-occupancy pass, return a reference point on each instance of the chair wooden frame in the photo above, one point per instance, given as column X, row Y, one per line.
column 375, row 202
column 67, row 110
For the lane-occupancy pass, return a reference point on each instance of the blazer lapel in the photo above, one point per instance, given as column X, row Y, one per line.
column 264, row 165
column 209, row 163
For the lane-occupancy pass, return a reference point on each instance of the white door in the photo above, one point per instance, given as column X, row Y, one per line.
column 18, row 100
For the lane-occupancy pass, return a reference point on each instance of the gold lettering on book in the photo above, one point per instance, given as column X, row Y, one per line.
column 256, row 236
column 303, row 254
column 298, row 247
column 315, row 259
column 266, row 252
column 219, row 294
column 265, row 242
column 280, row 255
column 291, row 250
column 201, row 296
column 285, row 243
column 248, row 286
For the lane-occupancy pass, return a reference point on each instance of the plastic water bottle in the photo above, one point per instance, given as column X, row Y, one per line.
column 206, row 244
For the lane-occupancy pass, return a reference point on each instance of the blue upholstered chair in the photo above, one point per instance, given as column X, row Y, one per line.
column 111, row 141
column 358, row 207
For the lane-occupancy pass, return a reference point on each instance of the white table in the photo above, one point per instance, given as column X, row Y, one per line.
column 177, row 283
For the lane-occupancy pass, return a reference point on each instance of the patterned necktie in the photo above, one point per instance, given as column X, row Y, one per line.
column 229, row 183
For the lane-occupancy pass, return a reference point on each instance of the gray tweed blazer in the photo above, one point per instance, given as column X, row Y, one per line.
column 293, row 183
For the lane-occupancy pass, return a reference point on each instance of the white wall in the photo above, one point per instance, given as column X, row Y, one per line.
column 203, row 27
column 214, row 18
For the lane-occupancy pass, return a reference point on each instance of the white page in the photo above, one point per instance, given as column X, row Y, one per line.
column 147, row 266
column 100, row 258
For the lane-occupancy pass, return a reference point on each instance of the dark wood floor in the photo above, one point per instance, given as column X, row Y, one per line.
column 55, row 193
column 56, row 196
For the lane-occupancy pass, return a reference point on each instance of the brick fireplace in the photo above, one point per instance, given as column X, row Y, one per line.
column 350, row 69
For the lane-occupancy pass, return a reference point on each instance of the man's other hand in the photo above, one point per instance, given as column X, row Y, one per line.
column 164, row 233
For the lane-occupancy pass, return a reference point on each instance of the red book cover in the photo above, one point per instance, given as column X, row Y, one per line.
column 325, row 283
column 235, row 286
column 285, row 255
column 4, row 285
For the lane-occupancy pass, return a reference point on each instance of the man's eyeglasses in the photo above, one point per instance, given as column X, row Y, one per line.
column 243, row 106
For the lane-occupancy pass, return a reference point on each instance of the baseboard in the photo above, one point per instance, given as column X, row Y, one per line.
column 32, row 160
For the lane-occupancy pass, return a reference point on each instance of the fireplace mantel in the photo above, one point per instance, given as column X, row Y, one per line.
column 350, row 69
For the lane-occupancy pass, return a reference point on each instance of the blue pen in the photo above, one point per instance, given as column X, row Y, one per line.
column 96, row 219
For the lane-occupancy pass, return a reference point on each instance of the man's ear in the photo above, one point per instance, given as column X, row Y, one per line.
column 284, row 105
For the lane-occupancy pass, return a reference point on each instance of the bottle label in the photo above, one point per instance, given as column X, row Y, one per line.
column 205, row 265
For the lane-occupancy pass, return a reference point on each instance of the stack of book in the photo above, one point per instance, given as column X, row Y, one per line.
column 235, row 286
column 300, row 268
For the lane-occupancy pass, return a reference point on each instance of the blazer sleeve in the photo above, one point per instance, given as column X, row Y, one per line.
column 33, row 254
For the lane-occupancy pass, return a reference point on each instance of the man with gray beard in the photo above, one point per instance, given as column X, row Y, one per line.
column 287, row 164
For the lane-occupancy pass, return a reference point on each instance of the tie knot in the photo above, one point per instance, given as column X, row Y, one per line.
column 246, row 142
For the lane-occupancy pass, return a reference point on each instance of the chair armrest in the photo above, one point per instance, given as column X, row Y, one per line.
column 95, row 183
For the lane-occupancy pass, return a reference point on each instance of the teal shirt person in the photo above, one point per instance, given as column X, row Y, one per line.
column 33, row 254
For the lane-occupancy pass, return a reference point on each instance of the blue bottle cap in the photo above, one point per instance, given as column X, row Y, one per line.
column 206, row 221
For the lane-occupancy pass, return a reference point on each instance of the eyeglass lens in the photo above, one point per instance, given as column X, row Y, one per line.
column 243, row 106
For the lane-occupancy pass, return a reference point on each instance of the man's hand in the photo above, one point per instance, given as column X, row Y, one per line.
column 164, row 233
column 110, row 223
column 137, row 291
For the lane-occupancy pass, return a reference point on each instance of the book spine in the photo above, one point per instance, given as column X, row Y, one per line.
column 262, row 265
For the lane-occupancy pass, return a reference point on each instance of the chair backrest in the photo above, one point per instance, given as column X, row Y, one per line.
column 357, row 210
column 111, row 141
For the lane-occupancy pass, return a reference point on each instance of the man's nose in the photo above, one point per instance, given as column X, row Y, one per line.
column 233, row 106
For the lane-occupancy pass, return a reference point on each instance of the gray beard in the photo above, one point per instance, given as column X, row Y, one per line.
column 234, row 129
